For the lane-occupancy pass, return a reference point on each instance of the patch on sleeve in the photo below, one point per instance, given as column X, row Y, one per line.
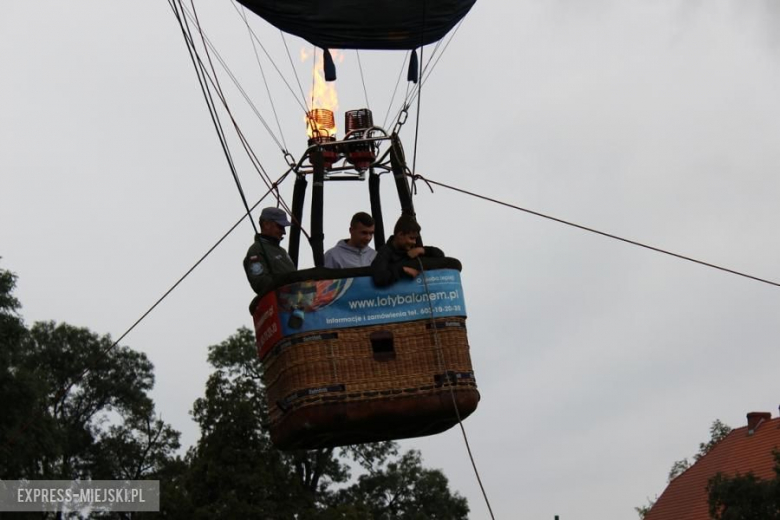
column 256, row 268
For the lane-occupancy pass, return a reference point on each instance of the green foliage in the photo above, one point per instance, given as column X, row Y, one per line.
column 718, row 432
column 19, row 389
column 678, row 468
column 405, row 490
column 745, row 497
column 643, row 510
column 8, row 303
column 75, row 406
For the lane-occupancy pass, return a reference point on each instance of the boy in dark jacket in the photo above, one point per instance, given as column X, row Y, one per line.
column 393, row 260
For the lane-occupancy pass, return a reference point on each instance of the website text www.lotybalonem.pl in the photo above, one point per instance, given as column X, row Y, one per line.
column 399, row 306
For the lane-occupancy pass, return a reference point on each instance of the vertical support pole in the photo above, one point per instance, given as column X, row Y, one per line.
column 398, row 164
column 317, row 203
column 376, row 209
column 299, row 195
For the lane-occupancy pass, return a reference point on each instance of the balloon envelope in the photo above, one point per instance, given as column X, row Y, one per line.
column 363, row 24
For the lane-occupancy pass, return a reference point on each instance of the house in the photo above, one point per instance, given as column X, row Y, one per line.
column 744, row 450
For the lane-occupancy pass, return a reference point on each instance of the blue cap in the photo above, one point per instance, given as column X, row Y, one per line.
column 275, row 215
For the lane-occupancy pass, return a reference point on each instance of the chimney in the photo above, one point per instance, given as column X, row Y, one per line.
column 755, row 419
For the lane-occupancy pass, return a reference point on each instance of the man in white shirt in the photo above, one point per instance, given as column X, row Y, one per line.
column 353, row 251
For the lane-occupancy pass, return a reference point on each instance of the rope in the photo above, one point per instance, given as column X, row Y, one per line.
column 362, row 78
column 397, row 82
column 425, row 74
column 445, row 373
column 605, row 234
column 219, row 124
column 201, row 72
column 281, row 76
column 446, row 45
column 233, row 78
column 63, row 391
column 314, row 79
column 210, row 103
column 417, row 118
column 262, row 73
column 295, row 72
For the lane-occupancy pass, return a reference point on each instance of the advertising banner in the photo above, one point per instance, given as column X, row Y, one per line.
column 317, row 305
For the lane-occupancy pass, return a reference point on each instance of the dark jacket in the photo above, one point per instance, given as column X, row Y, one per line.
column 265, row 258
column 388, row 266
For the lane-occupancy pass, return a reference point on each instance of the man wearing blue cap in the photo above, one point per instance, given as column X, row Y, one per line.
column 266, row 257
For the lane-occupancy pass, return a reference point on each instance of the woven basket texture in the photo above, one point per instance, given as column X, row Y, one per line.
column 414, row 365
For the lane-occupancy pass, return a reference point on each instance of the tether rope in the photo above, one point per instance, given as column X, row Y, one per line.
column 602, row 233
column 64, row 389
column 451, row 384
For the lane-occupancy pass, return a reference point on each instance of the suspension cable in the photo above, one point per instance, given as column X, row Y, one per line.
column 295, row 71
column 218, row 88
column 362, row 78
column 417, row 118
column 245, row 143
column 433, row 63
column 262, row 73
column 602, row 233
column 278, row 71
column 419, row 98
column 209, row 101
column 410, row 96
column 397, row 82
column 233, row 78
column 314, row 79
column 201, row 70
column 446, row 375
column 425, row 74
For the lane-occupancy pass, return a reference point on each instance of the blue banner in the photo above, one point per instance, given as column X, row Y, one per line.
column 355, row 302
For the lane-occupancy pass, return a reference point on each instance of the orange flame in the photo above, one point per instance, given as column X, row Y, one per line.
column 323, row 95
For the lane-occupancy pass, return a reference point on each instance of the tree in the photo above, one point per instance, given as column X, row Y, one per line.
column 745, row 497
column 19, row 390
column 405, row 490
column 234, row 470
column 718, row 432
column 76, row 405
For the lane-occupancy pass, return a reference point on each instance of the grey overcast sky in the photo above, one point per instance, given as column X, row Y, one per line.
column 599, row 363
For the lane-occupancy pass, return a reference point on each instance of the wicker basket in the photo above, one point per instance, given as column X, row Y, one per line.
column 371, row 383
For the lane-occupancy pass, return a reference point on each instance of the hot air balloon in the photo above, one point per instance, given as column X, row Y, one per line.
column 344, row 361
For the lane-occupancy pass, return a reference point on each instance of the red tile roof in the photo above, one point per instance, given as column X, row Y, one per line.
column 685, row 498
